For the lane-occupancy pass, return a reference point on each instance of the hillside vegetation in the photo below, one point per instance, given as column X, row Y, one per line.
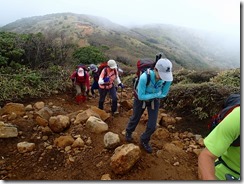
column 199, row 94
column 187, row 48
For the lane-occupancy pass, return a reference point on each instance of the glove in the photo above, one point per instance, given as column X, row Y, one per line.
column 121, row 85
column 106, row 79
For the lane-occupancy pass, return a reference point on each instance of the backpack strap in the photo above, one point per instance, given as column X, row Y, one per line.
column 106, row 72
column 221, row 161
column 148, row 76
column 236, row 142
column 226, row 111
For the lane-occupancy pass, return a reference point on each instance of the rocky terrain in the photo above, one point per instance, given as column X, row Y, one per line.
column 56, row 139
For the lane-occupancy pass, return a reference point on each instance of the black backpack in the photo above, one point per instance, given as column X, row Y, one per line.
column 231, row 102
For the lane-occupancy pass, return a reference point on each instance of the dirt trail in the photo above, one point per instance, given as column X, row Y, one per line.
column 93, row 161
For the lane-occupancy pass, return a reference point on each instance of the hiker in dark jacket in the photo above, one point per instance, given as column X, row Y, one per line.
column 95, row 74
column 149, row 97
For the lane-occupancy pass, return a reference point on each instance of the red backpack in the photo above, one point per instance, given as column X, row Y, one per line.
column 102, row 66
column 143, row 65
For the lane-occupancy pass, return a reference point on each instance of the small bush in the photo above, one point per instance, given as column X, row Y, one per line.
column 201, row 100
column 17, row 85
column 229, row 77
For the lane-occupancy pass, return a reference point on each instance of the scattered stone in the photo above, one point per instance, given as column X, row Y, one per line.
column 24, row 147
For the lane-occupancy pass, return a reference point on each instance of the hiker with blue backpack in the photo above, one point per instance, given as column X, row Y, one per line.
column 108, row 80
column 220, row 159
column 153, row 85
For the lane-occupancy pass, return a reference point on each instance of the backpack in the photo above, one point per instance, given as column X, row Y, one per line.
column 102, row 66
column 231, row 102
column 145, row 65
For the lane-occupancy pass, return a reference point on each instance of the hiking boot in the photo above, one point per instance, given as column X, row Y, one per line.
column 78, row 99
column 116, row 113
column 128, row 137
column 146, row 147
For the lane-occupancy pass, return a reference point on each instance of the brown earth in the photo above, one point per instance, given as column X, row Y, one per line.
column 92, row 162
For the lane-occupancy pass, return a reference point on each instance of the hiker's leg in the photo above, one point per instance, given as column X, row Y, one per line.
column 136, row 116
column 92, row 88
column 78, row 89
column 102, row 93
column 152, row 121
column 78, row 97
column 83, row 89
column 95, row 86
column 113, row 95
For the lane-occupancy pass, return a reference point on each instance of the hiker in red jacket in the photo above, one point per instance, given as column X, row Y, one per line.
column 81, row 81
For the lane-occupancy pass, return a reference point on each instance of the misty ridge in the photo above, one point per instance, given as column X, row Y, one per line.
column 185, row 47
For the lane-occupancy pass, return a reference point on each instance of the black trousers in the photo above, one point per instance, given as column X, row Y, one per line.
column 103, row 93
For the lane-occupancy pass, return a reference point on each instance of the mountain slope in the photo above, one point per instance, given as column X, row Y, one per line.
column 187, row 48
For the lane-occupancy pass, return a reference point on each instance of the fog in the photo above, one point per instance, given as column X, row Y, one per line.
column 211, row 15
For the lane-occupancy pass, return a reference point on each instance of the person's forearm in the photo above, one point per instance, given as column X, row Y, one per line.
column 206, row 165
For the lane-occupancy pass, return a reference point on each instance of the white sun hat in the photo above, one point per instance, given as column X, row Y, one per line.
column 80, row 72
column 112, row 64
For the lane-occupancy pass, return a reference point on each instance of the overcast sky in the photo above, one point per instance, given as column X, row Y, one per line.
column 213, row 15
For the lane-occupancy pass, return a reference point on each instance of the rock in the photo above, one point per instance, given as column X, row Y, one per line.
column 24, row 147
column 64, row 141
column 106, row 177
column 124, row 158
column 104, row 116
column 45, row 113
column 96, row 125
column 59, row 123
column 17, row 108
column 39, row 105
column 8, row 131
column 111, row 140
column 78, row 143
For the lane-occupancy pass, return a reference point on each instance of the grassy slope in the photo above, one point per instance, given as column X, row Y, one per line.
column 187, row 48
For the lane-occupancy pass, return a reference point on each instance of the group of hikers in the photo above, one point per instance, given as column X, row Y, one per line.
column 219, row 160
column 105, row 79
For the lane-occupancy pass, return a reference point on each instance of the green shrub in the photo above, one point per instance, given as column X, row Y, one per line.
column 200, row 100
column 228, row 77
column 17, row 85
